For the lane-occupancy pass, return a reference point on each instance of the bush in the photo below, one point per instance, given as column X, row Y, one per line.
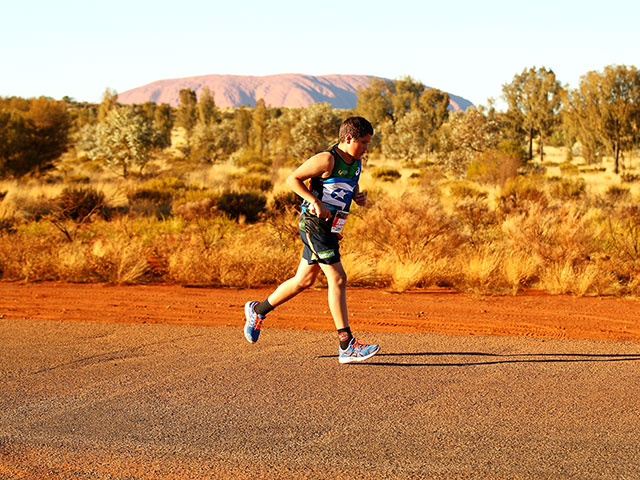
column 385, row 174
column 464, row 190
column 257, row 183
column 519, row 192
column 568, row 168
column 616, row 193
column 568, row 189
column 236, row 205
column 284, row 201
column 155, row 198
column 630, row 177
column 494, row 167
column 78, row 204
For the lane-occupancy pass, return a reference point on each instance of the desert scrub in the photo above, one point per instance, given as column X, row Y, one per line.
column 155, row 197
column 385, row 174
column 411, row 234
column 253, row 256
column 519, row 193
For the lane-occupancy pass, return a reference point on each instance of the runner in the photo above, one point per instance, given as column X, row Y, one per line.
column 333, row 184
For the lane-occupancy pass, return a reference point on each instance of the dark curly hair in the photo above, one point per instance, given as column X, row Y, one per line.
column 357, row 127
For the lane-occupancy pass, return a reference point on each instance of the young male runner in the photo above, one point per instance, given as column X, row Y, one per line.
column 333, row 176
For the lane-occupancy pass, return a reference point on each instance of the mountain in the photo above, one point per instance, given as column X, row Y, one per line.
column 285, row 90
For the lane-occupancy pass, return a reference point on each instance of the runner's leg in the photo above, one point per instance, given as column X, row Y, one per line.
column 337, row 286
column 303, row 279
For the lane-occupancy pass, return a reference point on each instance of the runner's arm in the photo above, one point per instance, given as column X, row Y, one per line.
column 319, row 165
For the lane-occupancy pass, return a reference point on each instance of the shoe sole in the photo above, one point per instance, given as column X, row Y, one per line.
column 344, row 360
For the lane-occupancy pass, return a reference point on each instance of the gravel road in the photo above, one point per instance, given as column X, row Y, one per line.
column 94, row 400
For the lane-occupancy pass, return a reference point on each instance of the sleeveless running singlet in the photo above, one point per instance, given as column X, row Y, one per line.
column 336, row 192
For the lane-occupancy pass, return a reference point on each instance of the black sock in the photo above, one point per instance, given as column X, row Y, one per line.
column 344, row 334
column 263, row 308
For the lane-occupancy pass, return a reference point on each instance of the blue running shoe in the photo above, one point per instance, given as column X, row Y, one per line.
column 357, row 352
column 253, row 323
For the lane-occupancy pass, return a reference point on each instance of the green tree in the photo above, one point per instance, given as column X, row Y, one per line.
column 535, row 98
column 109, row 101
column 315, row 130
column 406, row 96
column 466, row 135
column 124, row 140
column 187, row 114
column 207, row 110
column 33, row 133
column 260, row 128
column 162, row 125
column 213, row 143
column 605, row 109
column 242, row 122
column 374, row 101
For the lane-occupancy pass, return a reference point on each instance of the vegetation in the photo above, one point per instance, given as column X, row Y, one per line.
column 196, row 194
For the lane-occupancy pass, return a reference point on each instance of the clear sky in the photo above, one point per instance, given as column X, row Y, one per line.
column 469, row 48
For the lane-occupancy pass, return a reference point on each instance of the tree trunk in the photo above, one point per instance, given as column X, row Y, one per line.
column 541, row 149
column 616, row 155
column 530, row 143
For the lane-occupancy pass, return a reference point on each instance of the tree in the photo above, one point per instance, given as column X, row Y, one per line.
column 260, row 127
column 162, row 125
column 535, row 98
column 406, row 96
column 187, row 114
column 242, row 122
column 33, row 133
column 605, row 109
column 211, row 143
column 207, row 110
column 109, row 101
column 374, row 101
column 466, row 135
column 407, row 139
column 124, row 139
column 317, row 127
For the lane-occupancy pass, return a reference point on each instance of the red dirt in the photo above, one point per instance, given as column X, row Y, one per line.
column 434, row 311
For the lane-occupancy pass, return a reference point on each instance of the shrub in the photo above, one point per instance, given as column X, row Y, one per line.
column 257, row 183
column 385, row 174
column 464, row 190
column 155, row 198
column 493, row 167
column 569, row 189
column 630, row 177
column 616, row 193
column 78, row 203
column 285, row 201
column 236, row 205
column 568, row 168
column 519, row 192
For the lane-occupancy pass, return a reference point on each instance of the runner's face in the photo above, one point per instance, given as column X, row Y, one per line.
column 359, row 146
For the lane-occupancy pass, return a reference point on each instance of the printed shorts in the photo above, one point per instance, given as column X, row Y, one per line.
column 320, row 248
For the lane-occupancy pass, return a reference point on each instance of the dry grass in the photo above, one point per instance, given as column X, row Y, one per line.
column 419, row 230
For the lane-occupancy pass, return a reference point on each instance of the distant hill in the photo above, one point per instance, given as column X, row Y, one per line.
column 285, row 90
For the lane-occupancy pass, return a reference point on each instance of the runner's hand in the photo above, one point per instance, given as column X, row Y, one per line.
column 320, row 210
column 360, row 198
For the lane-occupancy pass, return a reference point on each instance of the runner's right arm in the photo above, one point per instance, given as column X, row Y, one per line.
column 319, row 165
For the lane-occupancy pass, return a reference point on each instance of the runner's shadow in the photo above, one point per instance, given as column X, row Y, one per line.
column 492, row 358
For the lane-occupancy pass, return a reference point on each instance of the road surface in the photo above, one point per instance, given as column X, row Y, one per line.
column 100, row 400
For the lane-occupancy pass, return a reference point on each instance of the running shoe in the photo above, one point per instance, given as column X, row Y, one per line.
column 357, row 352
column 253, row 322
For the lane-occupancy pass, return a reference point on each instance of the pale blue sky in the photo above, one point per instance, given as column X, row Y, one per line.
column 468, row 48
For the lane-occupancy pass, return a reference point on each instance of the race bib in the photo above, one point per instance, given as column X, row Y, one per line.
column 338, row 222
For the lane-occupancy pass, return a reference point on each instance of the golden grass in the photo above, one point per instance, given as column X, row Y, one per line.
column 418, row 231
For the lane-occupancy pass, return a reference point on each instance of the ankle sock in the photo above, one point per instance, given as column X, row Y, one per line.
column 263, row 308
column 344, row 334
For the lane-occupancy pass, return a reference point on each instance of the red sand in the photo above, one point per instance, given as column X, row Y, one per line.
column 435, row 311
